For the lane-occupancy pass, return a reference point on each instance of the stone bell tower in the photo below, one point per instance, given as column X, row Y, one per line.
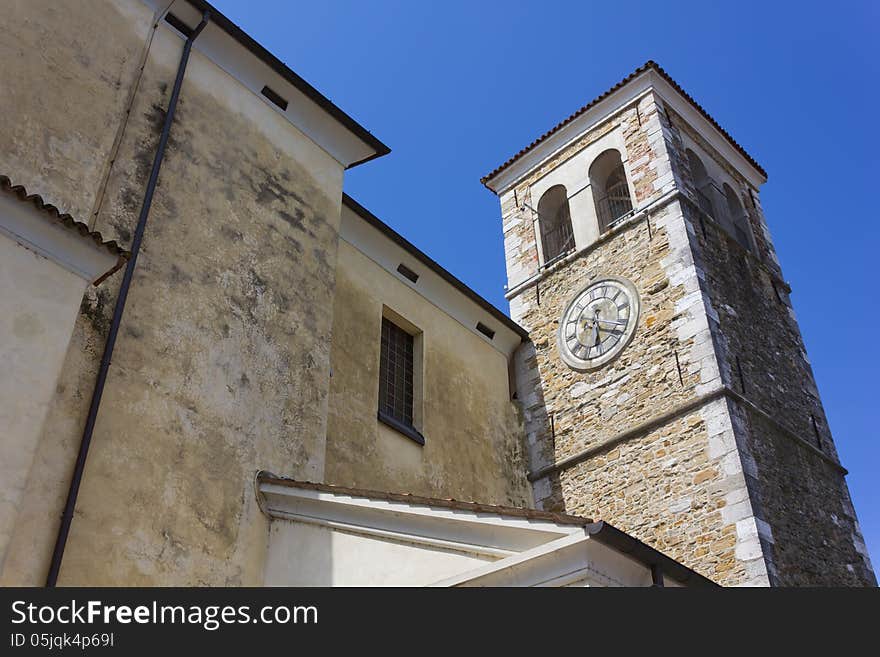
column 666, row 388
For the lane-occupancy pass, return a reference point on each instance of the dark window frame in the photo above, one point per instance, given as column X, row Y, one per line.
column 397, row 380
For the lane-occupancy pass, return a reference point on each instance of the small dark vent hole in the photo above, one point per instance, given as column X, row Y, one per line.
column 178, row 24
column 274, row 97
column 485, row 330
column 407, row 273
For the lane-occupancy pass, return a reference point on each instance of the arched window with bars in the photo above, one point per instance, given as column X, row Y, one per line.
column 554, row 218
column 610, row 189
column 739, row 220
column 703, row 185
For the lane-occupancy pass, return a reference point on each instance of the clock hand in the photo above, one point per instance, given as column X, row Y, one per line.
column 595, row 334
column 610, row 321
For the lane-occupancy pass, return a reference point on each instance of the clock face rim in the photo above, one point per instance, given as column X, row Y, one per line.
column 580, row 364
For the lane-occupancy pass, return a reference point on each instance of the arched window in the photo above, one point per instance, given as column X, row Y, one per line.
column 554, row 218
column 702, row 183
column 610, row 190
column 739, row 221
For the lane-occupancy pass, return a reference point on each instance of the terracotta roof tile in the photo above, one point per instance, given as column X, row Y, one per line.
column 649, row 65
column 407, row 498
column 7, row 186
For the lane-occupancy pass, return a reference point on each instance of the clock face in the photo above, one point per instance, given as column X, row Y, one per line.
column 598, row 323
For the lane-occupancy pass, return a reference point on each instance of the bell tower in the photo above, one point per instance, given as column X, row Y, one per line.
column 666, row 388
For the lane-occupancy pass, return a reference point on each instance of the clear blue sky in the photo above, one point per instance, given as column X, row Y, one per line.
column 455, row 88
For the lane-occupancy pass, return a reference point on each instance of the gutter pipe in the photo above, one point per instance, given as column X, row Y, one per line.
column 79, row 467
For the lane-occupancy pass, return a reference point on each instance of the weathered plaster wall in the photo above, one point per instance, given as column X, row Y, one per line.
column 63, row 99
column 222, row 362
column 69, row 69
column 472, row 433
column 337, row 558
column 40, row 301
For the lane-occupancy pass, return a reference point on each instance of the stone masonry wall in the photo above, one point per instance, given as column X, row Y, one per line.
column 651, row 176
column 798, row 483
column 808, row 527
column 643, row 132
column 744, row 484
column 679, row 483
column 748, row 195
column 815, row 537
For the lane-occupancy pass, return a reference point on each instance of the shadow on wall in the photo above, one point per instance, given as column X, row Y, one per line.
column 300, row 554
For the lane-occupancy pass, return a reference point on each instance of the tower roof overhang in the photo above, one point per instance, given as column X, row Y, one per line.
column 648, row 77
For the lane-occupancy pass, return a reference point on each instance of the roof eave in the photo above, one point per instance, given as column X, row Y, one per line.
column 425, row 259
column 357, row 132
column 649, row 76
column 310, row 496
column 623, row 542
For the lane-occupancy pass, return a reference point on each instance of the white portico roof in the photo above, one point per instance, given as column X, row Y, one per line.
column 419, row 541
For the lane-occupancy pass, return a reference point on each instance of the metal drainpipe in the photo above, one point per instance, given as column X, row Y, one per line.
column 70, row 505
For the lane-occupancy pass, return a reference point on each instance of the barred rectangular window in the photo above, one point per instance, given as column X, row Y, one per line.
column 396, row 373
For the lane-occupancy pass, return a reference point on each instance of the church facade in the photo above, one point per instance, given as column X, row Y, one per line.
column 220, row 369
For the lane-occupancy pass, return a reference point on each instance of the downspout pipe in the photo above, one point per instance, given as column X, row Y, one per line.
column 79, row 467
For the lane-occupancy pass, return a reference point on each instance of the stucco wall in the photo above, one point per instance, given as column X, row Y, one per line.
column 70, row 67
column 472, row 434
column 40, row 301
column 64, row 98
column 310, row 555
column 222, row 362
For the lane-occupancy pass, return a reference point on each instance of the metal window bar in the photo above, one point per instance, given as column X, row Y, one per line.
column 396, row 373
column 705, row 202
column 616, row 203
column 741, row 235
column 713, row 201
column 557, row 237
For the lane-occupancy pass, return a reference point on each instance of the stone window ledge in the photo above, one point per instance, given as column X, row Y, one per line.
column 409, row 431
